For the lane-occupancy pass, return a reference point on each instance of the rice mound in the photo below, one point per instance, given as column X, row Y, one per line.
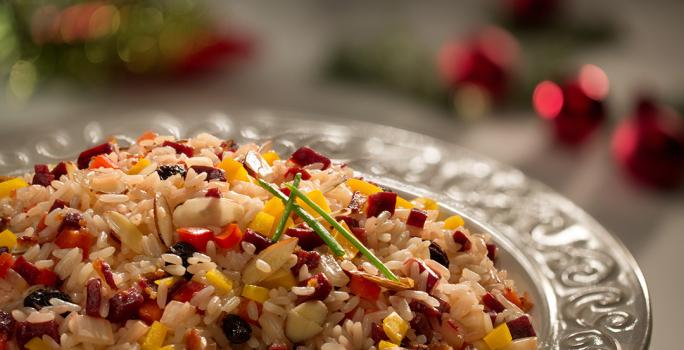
column 130, row 206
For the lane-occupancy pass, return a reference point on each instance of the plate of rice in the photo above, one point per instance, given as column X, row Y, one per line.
column 232, row 233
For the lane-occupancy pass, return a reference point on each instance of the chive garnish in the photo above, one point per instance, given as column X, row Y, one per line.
column 310, row 220
column 288, row 209
column 348, row 235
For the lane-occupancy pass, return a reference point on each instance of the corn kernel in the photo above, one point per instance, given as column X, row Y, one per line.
column 317, row 197
column 155, row 337
column 9, row 186
column 37, row 344
column 403, row 203
column 217, row 279
column 139, row 166
column 8, row 239
column 281, row 278
column 350, row 249
column 262, row 223
column 395, row 327
column 453, row 222
column 234, row 170
column 385, row 345
column 256, row 293
column 270, row 157
column 427, row 203
column 499, row 337
column 364, row 187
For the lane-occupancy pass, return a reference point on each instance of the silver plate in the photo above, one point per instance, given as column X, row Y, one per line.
column 588, row 290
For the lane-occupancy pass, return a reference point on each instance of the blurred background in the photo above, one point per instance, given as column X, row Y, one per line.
column 584, row 96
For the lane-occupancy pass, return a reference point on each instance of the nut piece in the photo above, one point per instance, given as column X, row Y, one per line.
column 207, row 211
column 276, row 255
column 162, row 219
column 305, row 320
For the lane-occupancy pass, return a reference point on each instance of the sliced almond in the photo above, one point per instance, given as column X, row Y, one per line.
column 124, row 229
column 207, row 211
column 162, row 219
column 404, row 283
column 275, row 255
column 257, row 164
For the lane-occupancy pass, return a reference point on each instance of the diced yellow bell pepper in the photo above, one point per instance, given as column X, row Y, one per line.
column 385, row 345
column 499, row 337
column 427, row 203
column 281, row 278
column 453, row 222
column 350, row 249
column 37, row 344
column 167, row 281
column 403, row 203
column 8, row 239
column 234, row 170
column 217, row 279
column 364, row 187
column 155, row 337
column 256, row 293
column 262, row 223
column 274, row 207
column 270, row 157
column 139, row 166
column 395, row 327
column 9, row 186
column 317, row 197
column 168, row 347
column 289, row 223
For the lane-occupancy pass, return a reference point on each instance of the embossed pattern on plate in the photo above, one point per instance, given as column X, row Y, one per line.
column 596, row 296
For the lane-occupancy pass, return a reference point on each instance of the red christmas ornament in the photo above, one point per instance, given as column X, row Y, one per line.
column 531, row 12
column 485, row 60
column 650, row 145
column 575, row 108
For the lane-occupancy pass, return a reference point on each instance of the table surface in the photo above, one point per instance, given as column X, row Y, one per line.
column 649, row 53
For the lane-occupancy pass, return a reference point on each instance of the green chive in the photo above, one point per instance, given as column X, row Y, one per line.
column 310, row 220
column 288, row 209
column 348, row 235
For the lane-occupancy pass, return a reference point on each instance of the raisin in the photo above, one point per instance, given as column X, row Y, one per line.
column 184, row 250
column 236, row 329
column 41, row 297
column 438, row 255
column 166, row 171
column 6, row 323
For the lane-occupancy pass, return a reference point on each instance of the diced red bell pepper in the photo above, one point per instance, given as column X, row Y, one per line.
column 45, row 277
column 180, row 148
column 381, row 201
column 32, row 274
column 364, row 288
column 198, row 237
column 150, row 311
column 69, row 238
column 230, row 237
column 84, row 158
column 6, row 261
column 305, row 156
column 186, row 291
column 102, row 161
column 416, row 218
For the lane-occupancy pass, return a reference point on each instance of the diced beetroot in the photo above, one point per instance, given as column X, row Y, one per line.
column 492, row 315
column 292, row 171
column 187, row 290
column 364, row 288
column 356, row 202
column 25, row 331
column 491, row 303
column 350, row 221
column 59, row 170
column 421, row 325
column 42, row 176
column 491, row 251
column 308, row 239
column 425, row 309
column 381, row 201
column 462, row 239
column 180, row 148
column 416, row 218
column 305, row 156
column 57, row 204
column 93, row 297
column 213, row 192
column 212, row 173
column 105, row 271
column 432, row 276
column 84, row 158
column 71, row 220
column 360, row 233
column 124, row 305
column 311, row 259
column 321, row 285
column 521, row 327
column 257, row 239
column 377, row 333
column 6, row 323
column 32, row 274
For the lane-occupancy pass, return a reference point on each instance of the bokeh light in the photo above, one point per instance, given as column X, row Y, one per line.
column 593, row 81
column 548, row 99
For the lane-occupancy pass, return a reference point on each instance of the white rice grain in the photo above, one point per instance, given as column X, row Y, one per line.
column 175, row 270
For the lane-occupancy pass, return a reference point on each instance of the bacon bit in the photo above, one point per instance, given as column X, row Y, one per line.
column 84, row 158
column 213, row 192
column 42, row 175
column 102, row 161
column 93, row 297
column 105, row 271
column 292, row 171
column 180, row 148
column 59, row 170
column 147, row 135
column 150, row 311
